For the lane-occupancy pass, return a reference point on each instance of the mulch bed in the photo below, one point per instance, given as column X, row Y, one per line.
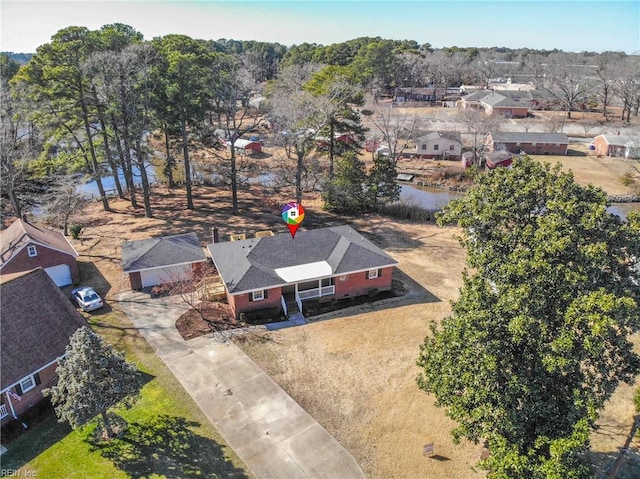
column 208, row 318
column 212, row 316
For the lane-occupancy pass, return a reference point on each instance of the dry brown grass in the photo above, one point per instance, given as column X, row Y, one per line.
column 355, row 373
column 605, row 172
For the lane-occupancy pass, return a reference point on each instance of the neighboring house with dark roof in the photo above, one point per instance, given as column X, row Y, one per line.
column 617, row 145
column 37, row 322
column 281, row 272
column 530, row 143
column 167, row 259
column 25, row 246
column 439, row 144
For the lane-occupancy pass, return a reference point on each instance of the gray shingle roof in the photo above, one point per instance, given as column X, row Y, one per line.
column 436, row 135
column 501, row 101
column 164, row 251
column 524, row 137
column 477, row 95
column 249, row 264
column 619, row 140
column 37, row 321
column 21, row 232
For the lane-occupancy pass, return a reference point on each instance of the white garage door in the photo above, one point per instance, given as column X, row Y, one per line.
column 151, row 277
column 61, row 274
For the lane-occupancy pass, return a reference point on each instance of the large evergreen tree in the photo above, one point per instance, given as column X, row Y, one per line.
column 92, row 378
column 346, row 192
column 182, row 89
column 539, row 338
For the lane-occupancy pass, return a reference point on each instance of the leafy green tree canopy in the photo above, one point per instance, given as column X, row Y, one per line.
column 539, row 338
column 92, row 378
column 346, row 192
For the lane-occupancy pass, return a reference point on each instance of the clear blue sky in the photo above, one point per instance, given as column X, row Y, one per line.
column 567, row 25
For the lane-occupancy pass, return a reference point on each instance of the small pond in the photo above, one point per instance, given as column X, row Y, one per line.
column 436, row 199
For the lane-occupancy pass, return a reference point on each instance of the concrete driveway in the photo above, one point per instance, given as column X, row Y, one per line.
column 270, row 432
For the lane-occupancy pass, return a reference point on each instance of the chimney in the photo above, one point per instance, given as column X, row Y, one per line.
column 214, row 234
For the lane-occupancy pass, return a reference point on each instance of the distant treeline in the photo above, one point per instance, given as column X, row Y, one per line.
column 21, row 58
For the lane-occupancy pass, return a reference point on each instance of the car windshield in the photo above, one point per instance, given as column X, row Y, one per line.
column 91, row 297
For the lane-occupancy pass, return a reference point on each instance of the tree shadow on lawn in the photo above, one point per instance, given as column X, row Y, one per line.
column 166, row 446
column 602, row 463
column 44, row 431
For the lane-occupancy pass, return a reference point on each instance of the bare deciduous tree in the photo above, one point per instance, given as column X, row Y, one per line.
column 63, row 201
column 567, row 84
column 479, row 124
column 395, row 126
column 298, row 116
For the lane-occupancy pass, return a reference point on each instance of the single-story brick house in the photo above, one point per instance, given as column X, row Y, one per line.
column 154, row 261
column 37, row 322
column 617, row 145
column 25, row 246
column 281, row 272
column 439, row 144
column 497, row 104
column 508, row 103
column 530, row 143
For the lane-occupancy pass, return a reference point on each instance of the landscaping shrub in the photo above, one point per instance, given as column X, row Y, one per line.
column 75, row 231
column 627, row 179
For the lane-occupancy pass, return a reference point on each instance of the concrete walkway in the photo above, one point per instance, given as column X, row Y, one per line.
column 270, row 432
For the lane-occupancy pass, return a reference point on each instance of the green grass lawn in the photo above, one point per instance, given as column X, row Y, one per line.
column 167, row 436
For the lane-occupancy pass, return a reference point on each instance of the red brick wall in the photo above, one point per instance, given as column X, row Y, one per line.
column 539, row 149
column 602, row 147
column 33, row 396
column 357, row 284
column 46, row 258
column 240, row 303
column 136, row 280
column 511, row 112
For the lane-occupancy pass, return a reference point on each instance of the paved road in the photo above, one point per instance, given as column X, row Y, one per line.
column 271, row 433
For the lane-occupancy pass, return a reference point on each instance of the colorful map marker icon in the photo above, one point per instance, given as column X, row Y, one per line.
column 293, row 214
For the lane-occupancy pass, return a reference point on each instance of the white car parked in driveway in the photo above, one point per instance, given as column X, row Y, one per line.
column 87, row 298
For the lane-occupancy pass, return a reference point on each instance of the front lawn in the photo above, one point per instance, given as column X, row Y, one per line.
column 168, row 435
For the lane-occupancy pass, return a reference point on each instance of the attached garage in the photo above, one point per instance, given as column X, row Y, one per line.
column 171, row 274
column 167, row 259
column 61, row 274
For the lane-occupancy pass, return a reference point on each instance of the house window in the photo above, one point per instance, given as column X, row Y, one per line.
column 424, row 146
column 32, row 251
column 518, row 143
column 374, row 273
column 452, row 147
column 257, row 295
column 328, row 282
column 27, row 384
column 436, row 147
column 534, row 144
